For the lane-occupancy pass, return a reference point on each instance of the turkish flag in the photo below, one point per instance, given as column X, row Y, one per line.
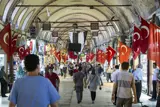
column 5, row 40
column 99, row 56
column 13, row 43
column 124, row 52
column 21, row 52
column 87, row 57
column 154, row 44
column 91, row 55
column 144, row 35
column 27, row 51
column 71, row 55
column 65, row 57
column 136, row 39
column 110, row 53
column 58, row 56
column 103, row 58
column 136, row 53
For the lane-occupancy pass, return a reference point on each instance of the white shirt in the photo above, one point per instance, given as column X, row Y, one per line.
column 113, row 76
column 61, row 66
column 138, row 74
column 155, row 72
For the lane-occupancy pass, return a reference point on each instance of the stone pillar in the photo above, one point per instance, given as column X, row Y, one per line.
column 149, row 76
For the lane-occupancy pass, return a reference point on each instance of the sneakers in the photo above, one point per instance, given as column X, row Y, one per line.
column 152, row 99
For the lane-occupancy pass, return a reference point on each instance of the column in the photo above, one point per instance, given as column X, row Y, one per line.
column 149, row 76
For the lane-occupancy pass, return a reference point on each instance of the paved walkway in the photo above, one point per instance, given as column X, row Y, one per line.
column 68, row 97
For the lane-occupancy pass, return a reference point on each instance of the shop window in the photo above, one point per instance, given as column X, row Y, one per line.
column 26, row 20
column 15, row 12
column 21, row 16
column 6, row 10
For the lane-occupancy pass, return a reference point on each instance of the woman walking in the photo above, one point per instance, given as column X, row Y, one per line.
column 94, row 82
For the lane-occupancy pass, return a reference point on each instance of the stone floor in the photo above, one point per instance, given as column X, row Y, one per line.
column 103, row 99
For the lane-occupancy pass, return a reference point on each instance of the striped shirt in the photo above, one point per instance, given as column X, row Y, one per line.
column 124, row 81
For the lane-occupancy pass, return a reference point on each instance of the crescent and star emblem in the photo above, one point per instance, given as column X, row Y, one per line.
column 147, row 29
column 110, row 52
column 21, row 49
column 123, row 46
column 14, row 40
column 136, row 33
column 5, row 38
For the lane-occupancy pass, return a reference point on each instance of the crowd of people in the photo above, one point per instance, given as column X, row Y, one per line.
column 40, row 91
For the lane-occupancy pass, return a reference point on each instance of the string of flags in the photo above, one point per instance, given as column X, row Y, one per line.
column 146, row 40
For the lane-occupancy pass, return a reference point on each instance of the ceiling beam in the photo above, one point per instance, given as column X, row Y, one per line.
column 75, row 21
column 90, row 6
column 86, row 30
column 78, row 26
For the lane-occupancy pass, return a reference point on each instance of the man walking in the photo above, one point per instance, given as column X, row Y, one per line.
column 114, row 80
column 138, row 80
column 154, row 82
column 3, row 82
column 33, row 90
column 78, row 79
column 108, row 72
column 100, row 71
column 124, row 82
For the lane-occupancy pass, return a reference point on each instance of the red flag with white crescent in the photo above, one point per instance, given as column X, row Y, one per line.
column 136, row 53
column 58, row 56
column 99, row 56
column 136, row 39
column 72, row 55
column 124, row 52
column 5, row 40
column 27, row 51
column 87, row 57
column 103, row 58
column 154, row 44
column 21, row 52
column 110, row 53
column 91, row 55
column 144, row 35
column 65, row 57
column 13, row 43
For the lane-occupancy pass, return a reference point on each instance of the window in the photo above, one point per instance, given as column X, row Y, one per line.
column 21, row 16
column 6, row 10
column 26, row 20
column 15, row 12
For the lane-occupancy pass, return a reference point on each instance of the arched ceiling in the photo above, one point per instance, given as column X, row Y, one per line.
column 23, row 16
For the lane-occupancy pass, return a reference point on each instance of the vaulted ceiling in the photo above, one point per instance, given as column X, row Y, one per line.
column 23, row 14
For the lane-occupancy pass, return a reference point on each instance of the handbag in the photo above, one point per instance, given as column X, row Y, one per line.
column 90, row 82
